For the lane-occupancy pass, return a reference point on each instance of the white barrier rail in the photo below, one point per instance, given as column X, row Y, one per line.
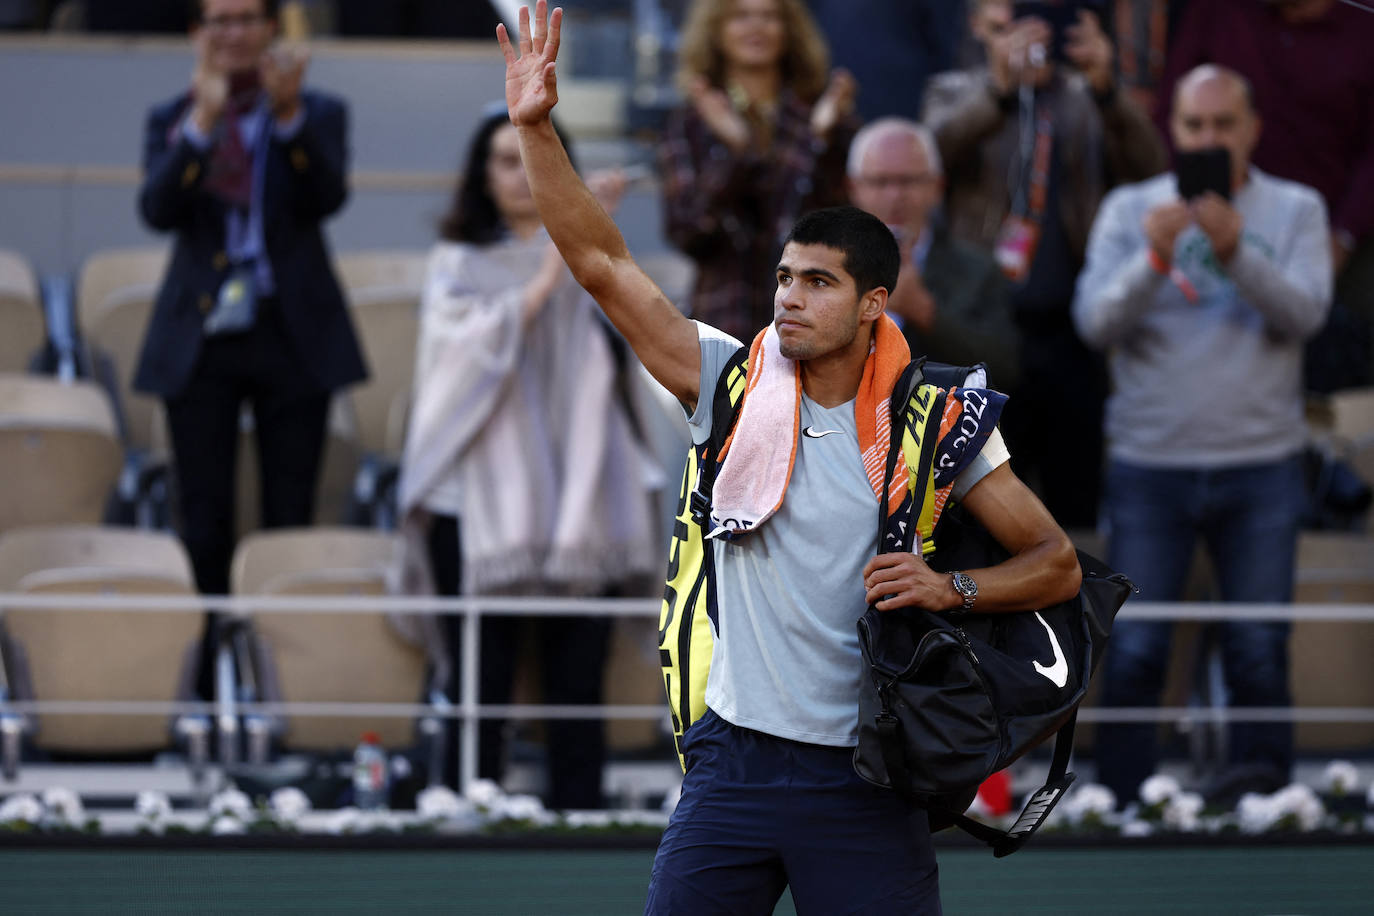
column 575, row 607
column 470, row 712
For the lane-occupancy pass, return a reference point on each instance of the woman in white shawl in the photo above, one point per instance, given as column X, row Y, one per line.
column 517, row 429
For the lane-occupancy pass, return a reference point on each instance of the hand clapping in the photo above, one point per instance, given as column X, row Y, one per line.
column 283, row 72
column 209, row 86
column 715, row 108
column 835, row 104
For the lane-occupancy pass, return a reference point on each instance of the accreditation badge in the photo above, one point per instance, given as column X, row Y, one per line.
column 1015, row 247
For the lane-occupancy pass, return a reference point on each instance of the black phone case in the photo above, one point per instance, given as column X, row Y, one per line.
column 1202, row 171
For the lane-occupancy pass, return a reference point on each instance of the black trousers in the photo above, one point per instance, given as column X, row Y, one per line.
column 258, row 367
column 572, row 660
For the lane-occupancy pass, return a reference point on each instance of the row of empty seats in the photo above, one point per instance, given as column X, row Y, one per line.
column 142, row 655
column 114, row 296
column 20, row 314
column 115, row 291
column 347, row 657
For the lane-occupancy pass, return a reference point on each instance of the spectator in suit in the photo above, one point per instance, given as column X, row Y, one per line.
column 761, row 140
column 242, row 170
column 1030, row 146
column 1204, row 305
column 950, row 298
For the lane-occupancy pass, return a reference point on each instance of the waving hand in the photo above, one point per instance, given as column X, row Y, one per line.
column 531, row 84
column 587, row 238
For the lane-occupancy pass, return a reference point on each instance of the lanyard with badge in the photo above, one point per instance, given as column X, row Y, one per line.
column 1019, row 236
column 236, row 305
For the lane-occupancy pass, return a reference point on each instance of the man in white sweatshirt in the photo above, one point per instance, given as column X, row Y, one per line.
column 1203, row 306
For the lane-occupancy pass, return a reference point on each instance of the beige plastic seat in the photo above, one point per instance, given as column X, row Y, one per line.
column 21, row 314
column 388, row 323
column 1352, row 430
column 59, row 450
column 1330, row 660
column 380, row 269
column 106, row 272
column 100, row 655
column 115, row 295
column 330, row 657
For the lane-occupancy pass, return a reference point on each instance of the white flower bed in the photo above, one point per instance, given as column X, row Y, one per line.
column 1163, row 808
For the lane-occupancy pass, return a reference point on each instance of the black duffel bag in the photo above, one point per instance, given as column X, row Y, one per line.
column 949, row 699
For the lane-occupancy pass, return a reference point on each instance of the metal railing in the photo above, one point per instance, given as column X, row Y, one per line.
column 470, row 712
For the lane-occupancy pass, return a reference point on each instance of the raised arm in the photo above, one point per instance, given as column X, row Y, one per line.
column 663, row 339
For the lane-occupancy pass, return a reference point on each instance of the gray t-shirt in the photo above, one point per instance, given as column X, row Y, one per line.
column 786, row 658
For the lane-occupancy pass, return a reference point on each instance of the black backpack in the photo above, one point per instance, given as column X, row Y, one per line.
column 949, row 699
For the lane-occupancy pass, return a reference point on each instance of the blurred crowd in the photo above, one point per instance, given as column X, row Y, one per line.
column 1152, row 220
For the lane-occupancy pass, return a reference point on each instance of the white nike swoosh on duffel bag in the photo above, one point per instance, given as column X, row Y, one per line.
column 1058, row 673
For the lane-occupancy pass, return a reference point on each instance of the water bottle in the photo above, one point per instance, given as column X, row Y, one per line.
column 371, row 779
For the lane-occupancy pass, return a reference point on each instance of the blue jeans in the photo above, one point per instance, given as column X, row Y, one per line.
column 1248, row 518
column 759, row 813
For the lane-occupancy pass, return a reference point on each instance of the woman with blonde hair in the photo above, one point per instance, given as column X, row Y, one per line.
column 761, row 139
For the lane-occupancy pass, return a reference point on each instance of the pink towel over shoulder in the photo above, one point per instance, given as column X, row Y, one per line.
column 760, row 453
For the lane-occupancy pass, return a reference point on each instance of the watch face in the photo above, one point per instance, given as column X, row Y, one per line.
column 965, row 585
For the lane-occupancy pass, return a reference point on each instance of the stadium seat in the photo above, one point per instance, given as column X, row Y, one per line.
column 379, row 269
column 1330, row 660
column 107, row 272
column 129, row 655
column 59, row 450
column 21, row 314
column 330, row 657
column 113, row 321
column 383, row 289
column 1352, row 429
column 116, row 290
column 388, row 321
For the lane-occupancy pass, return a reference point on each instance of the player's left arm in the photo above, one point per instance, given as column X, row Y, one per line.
column 1043, row 567
column 1042, row 570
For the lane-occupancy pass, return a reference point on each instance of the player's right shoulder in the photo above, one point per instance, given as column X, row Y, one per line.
column 714, row 337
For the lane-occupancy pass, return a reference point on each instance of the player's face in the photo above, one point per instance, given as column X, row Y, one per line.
column 817, row 307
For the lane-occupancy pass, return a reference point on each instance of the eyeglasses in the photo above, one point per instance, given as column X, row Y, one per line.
column 243, row 21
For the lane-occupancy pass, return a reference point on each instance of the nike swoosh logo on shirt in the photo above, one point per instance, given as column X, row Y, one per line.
column 814, row 433
column 1058, row 672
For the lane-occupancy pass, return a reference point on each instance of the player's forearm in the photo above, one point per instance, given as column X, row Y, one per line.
column 585, row 234
column 1042, row 575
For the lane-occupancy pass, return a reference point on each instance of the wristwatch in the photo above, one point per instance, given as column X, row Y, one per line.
column 966, row 587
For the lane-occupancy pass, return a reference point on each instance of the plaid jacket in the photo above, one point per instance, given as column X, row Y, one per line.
column 730, row 213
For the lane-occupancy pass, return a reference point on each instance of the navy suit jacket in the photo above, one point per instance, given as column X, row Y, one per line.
column 305, row 181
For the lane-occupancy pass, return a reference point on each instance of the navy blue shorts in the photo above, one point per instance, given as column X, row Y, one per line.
column 760, row 813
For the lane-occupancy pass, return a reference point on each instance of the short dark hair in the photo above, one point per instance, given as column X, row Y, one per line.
column 472, row 215
column 870, row 250
column 196, row 9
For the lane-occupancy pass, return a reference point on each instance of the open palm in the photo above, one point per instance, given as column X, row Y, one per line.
column 531, row 84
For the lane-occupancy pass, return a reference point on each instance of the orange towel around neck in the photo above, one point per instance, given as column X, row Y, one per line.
column 760, row 453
